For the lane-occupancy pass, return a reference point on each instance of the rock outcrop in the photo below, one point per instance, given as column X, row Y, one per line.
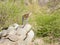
column 17, row 35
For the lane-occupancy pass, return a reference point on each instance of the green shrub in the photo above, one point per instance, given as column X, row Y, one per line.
column 48, row 25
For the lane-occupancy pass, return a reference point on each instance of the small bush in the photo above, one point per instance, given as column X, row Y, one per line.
column 48, row 25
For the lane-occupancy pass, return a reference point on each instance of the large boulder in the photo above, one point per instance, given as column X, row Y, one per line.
column 17, row 35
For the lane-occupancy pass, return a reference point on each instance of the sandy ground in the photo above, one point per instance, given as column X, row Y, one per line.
column 41, row 42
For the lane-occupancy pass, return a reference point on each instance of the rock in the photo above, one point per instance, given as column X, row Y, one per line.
column 19, row 31
column 6, row 42
column 11, row 32
column 15, row 25
column 15, row 35
column 4, row 33
column 27, row 27
column 23, row 31
column 13, row 38
column 29, row 37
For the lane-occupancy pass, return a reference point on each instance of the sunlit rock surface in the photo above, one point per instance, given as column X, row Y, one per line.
column 17, row 35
